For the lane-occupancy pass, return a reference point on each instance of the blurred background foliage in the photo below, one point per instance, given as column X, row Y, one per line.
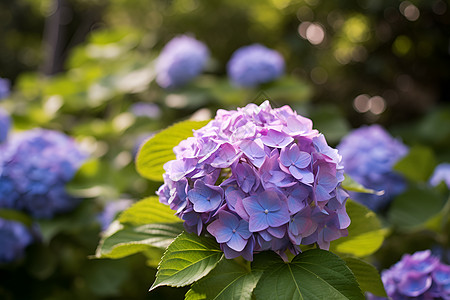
column 78, row 66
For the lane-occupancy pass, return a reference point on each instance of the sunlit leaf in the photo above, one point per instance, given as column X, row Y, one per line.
column 147, row 211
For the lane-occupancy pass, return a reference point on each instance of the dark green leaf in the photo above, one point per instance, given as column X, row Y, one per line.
column 147, row 211
column 229, row 280
column 159, row 149
column 365, row 234
column 313, row 274
column 350, row 184
column 14, row 215
column 367, row 276
column 418, row 164
column 126, row 240
column 187, row 259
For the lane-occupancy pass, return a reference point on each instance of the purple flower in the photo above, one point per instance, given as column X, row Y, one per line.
column 5, row 86
column 255, row 64
column 258, row 179
column 5, row 124
column 35, row 167
column 181, row 60
column 441, row 173
column 111, row 210
column 419, row 275
column 14, row 238
column 368, row 154
column 147, row 110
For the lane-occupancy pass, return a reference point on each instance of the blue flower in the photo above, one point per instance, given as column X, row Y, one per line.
column 180, row 61
column 14, row 238
column 5, row 86
column 5, row 124
column 111, row 210
column 441, row 173
column 230, row 230
column 368, row 155
column 205, row 197
column 36, row 165
column 255, row 64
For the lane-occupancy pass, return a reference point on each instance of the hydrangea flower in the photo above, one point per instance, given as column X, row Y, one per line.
column 35, row 167
column 255, row 64
column 417, row 276
column 5, row 86
column 258, row 179
column 368, row 154
column 14, row 238
column 111, row 210
column 5, row 124
column 147, row 110
column 181, row 60
column 441, row 173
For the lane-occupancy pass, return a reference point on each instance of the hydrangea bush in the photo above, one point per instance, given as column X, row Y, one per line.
column 255, row 64
column 5, row 124
column 256, row 179
column 14, row 238
column 35, row 167
column 369, row 154
column 417, row 276
column 181, row 60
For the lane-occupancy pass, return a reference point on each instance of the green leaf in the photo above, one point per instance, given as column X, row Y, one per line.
column 415, row 207
column 187, row 259
column 15, row 215
column 367, row 276
column 148, row 211
column 418, row 164
column 313, row 274
column 350, row 184
column 159, row 149
column 124, row 240
column 228, row 281
column 365, row 234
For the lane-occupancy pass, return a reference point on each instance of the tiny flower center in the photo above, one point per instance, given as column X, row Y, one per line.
column 234, row 230
column 266, row 211
column 208, row 198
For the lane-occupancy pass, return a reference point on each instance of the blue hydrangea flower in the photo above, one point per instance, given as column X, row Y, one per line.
column 180, row 61
column 14, row 238
column 5, row 86
column 5, row 124
column 256, row 179
column 36, row 165
column 368, row 154
column 255, row 64
column 441, row 173
column 417, row 276
column 111, row 210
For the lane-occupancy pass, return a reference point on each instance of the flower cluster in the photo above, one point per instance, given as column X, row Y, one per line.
column 257, row 179
column 255, row 64
column 417, row 276
column 5, row 124
column 5, row 86
column 180, row 61
column 14, row 238
column 368, row 154
column 441, row 173
column 35, row 167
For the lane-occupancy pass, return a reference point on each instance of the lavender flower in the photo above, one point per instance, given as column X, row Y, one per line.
column 368, row 154
column 111, row 210
column 180, row 61
column 5, row 124
column 5, row 86
column 35, row 166
column 257, row 179
column 147, row 110
column 255, row 64
column 441, row 173
column 14, row 238
column 417, row 276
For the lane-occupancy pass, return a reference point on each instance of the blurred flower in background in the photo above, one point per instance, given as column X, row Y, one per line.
column 36, row 165
column 14, row 238
column 5, row 86
column 180, row 61
column 255, row 64
column 441, row 174
column 5, row 124
column 111, row 210
column 368, row 155
column 147, row 110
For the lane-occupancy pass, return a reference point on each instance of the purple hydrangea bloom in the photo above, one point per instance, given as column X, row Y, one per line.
column 147, row 110
column 5, row 86
column 441, row 173
column 256, row 183
column 5, row 124
column 417, row 276
column 255, row 64
column 368, row 154
column 111, row 210
column 181, row 60
column 14, row 238
column 35, row 167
